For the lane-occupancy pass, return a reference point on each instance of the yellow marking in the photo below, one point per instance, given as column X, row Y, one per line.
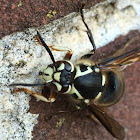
column 49, row 71
column 98, row 96
column 52, row 100
column 103, row 80
column 62, row 66
column 97, row 70
column 57, row 76
column 87, row 63
column 59, row 87
column 82, row 61
column 79, row 73
column 78, row 107
column 86, row 101
column 47, row 78
column 73, row 90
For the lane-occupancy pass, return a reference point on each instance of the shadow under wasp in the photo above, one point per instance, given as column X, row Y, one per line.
column 95, row 84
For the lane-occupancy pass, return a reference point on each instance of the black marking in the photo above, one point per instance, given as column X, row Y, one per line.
column 65, row 78
column 64, row 88
column 83, row 67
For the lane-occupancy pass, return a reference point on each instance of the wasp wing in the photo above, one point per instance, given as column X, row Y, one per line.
column 113, row 127
column 121, row 61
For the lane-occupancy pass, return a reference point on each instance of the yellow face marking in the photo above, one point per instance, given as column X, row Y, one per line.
column 62, row 66
column 103, row 80
column 79, row 73
column 48, row 70
column 47, row 78
column 59, row 87
column 57, row 76
column 98, row 96
column 97, row 70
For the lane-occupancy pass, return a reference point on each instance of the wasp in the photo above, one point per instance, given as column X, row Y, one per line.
column 95, row 84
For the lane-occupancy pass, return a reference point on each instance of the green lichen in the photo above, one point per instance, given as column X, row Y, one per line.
column 21, row 64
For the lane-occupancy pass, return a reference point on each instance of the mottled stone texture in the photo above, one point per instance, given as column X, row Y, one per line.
column 18, row 15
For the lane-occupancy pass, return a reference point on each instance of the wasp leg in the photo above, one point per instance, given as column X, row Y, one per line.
column 68, row 54
column 52, row 96
column 37, row 95
column 69, row 51
column 120, row 51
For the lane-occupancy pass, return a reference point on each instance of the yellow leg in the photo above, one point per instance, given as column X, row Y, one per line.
column 38, row 95
column 69, row 51
column 68, row 54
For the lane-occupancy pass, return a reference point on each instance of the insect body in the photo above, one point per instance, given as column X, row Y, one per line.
column 85, row 81
column 97, row 84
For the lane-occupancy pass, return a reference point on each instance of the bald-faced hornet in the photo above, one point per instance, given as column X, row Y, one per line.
column 96, row 84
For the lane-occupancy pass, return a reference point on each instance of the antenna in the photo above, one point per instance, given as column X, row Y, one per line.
column 89, row 33
column 29, row 85
column 47, row 48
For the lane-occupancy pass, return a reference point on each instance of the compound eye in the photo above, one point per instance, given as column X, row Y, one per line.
column 68, row 67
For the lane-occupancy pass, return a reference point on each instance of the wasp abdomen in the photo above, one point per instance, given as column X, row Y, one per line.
column 112, row 90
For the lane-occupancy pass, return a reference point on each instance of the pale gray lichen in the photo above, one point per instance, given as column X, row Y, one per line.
column 21, row 58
